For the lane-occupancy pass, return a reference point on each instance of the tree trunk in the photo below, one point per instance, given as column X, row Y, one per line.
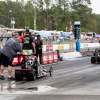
column 8, row 17
column 47, row 20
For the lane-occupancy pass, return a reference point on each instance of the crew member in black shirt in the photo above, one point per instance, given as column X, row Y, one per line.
column 38, row 46
column 28, row 44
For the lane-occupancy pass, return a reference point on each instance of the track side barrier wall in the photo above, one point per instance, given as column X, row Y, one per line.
column 52, row 57
column 70, row 55
column 68, row 46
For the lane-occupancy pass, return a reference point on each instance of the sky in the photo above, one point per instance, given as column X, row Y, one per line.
column 95, row 5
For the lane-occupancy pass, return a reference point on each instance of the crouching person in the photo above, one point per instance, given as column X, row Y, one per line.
column 10, row 49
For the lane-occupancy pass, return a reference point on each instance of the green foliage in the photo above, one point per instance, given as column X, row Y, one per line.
column 63, row 27
column 83, row 29
column 50, row 15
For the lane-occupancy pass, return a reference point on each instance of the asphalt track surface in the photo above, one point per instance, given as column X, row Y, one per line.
column 74, row 79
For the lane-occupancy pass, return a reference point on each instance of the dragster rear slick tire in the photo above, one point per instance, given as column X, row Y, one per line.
column 31, row 75
column 18, row 76
column 93, row 60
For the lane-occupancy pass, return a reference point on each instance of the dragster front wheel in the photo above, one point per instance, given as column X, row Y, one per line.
column 51, row 71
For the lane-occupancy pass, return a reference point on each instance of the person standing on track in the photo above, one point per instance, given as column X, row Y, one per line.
column 33, row 37
column 38, row 46
column 28, row 44
column 10, row 49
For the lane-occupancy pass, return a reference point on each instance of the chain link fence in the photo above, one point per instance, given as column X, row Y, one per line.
column 51, row 42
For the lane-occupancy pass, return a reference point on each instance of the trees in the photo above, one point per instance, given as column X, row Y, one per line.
column 3, row 13
column 50, row 14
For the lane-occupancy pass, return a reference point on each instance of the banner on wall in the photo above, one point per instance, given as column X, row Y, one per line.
column 50, row 57
column 49, row 47
column 85, row 45
column 45, row 58
column 66, row 46
column 55, row 57
column 71, row 46
column 60, row 47
column 55, row 47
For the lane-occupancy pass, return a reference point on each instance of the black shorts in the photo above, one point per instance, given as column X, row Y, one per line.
column 5, row 61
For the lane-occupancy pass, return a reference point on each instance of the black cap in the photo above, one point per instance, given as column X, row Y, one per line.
column 27, row 30
column 38, row 35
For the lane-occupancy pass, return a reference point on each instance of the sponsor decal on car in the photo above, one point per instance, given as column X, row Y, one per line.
column 20, row 59
column 15, row 61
